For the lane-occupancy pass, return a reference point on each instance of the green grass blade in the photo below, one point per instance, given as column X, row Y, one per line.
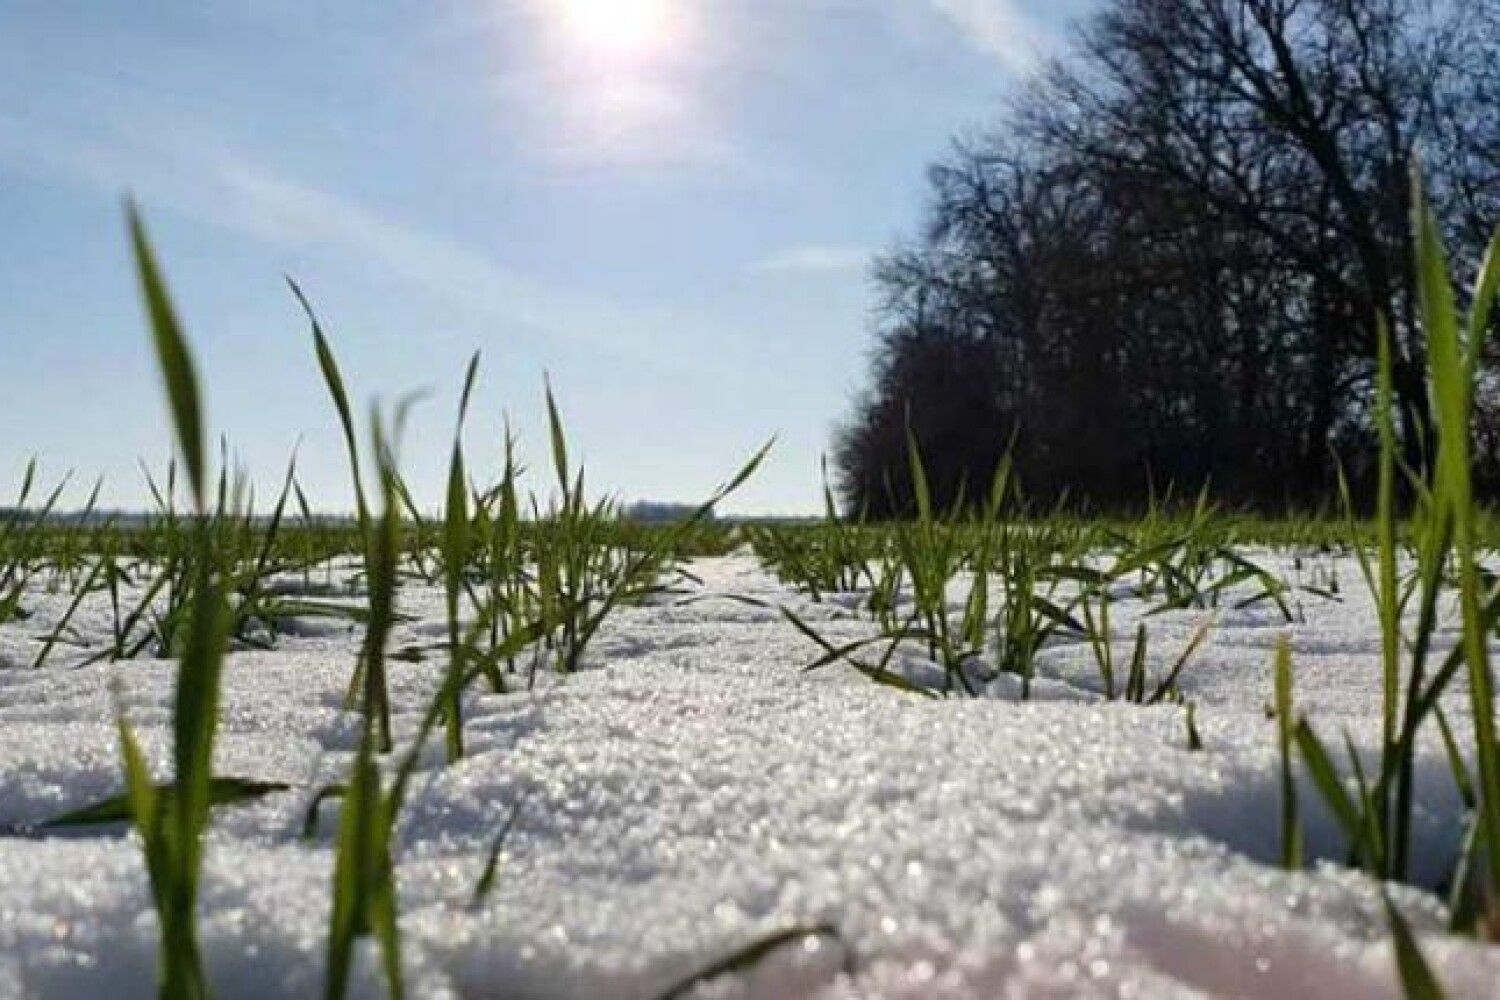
column 1325, row 778
column 310, row 817
column 455, row 558
column 1291, row 823
column 559, row 444
column 1486, row 289
column 921, row 492
column 749, row 955
column 328, row 364
column 196, row 713
column 117, row 808
column 486, row 881
column 1194, row 643
column 1451, row 391
column 139, row 789
column 352, row 873
column 173, row 358
column 1417, row 979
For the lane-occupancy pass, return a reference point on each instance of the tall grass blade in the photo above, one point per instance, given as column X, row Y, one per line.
column 1417, row 979
column 172, row 356
column 1291, row 823
column 332, row 377
column 1451, row 390
column 749, row 955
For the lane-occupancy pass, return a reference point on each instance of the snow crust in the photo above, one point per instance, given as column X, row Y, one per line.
column 694, row 789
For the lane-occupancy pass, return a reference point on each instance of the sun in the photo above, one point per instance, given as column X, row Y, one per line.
column 626, row 30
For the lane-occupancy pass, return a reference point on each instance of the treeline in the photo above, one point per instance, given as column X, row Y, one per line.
column 1165, row 266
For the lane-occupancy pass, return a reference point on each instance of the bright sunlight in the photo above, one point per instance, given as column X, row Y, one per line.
column 626, row 30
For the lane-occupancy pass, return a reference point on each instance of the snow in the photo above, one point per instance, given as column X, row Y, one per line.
column 693, row 789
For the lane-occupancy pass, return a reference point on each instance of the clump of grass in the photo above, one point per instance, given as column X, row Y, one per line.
column 581, row 575
column 1046, row 590
column 20, row 539
column 836, row 557
column 921, row 560
column 1446, row 529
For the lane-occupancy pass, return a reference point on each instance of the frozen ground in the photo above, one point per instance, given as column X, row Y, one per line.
column 694, row 789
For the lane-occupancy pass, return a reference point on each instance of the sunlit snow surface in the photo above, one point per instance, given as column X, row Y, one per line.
column 693, row 789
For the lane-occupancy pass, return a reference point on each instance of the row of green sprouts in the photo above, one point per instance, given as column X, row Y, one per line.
column 985, row 591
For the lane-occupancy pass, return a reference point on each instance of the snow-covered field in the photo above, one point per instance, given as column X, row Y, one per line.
column 693, row 789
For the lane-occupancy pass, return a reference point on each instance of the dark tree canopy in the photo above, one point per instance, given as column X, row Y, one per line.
column 1166, row 264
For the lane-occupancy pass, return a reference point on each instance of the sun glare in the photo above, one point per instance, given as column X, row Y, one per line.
column 619, row 29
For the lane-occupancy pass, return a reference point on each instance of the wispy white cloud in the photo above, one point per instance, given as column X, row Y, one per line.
column 572, row 120
column 177, row 164
column 812, row 258
column 998, row 28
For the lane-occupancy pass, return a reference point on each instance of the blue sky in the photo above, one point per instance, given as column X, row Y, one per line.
column 668, row 205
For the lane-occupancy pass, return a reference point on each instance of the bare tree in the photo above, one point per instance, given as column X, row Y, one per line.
column 1178, row 246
